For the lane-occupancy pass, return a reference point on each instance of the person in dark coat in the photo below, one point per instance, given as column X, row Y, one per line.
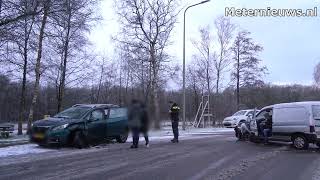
column 174, row 115
column 267, row 129
column 145, row 124
column 135, row 121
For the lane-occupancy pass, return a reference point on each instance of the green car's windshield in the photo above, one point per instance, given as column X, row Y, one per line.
column 73, row 112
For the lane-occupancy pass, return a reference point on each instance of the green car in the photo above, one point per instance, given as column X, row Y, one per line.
column 82, row 125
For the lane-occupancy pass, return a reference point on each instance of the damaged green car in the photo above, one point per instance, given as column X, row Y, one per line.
column 82, row 125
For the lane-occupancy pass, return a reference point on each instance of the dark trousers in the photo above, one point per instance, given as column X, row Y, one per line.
column 175, row 129
column 266, row 134
column 145, row 134
column 135, row 136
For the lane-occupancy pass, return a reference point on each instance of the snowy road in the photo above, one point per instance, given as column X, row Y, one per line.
column 197, row 156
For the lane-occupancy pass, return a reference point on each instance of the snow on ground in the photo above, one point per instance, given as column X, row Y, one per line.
column 14, row 139
column 190, row 133
column 164, row 134
column 21, row 150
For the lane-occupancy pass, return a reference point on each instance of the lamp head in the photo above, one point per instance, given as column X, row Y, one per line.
column 205, row 1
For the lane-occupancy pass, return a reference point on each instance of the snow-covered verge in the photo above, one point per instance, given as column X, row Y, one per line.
column 14, row 139
column 190, row 131
column 22, row 149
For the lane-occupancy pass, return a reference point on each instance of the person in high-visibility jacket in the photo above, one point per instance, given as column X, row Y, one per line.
column 174, row 115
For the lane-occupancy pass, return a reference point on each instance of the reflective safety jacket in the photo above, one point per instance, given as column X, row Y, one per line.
column 174, row 112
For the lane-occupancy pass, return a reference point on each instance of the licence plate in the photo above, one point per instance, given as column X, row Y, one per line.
column 38, row 136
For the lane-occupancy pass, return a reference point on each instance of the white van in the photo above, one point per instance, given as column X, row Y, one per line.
column 297, row 122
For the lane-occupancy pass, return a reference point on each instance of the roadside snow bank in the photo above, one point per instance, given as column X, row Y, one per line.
column 190, row 131
column 21, row 150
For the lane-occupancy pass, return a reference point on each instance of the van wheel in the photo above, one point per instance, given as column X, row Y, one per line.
column 122, row 138
column 300, row 142
column 79, row 140
column 318, row 144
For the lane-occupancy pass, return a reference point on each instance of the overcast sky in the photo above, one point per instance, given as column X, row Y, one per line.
column 291, row 44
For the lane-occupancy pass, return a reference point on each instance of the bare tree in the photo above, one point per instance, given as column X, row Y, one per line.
column 10, row 13
column 19, row 45
column 206, row 57
column 147, row 24
column 247, row 70
column 225, row 30
column 205, row 63
column 46, row 8
column 193, row 81
column 27, row 25
column 68, row 27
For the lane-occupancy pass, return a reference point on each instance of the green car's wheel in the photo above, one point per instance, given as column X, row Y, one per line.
column 79, row 140
column 122, row 138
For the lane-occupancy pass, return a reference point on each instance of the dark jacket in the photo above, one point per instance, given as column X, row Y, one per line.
column 174, row 112
column 135, row 116
column 268, row 121
column 144, row 119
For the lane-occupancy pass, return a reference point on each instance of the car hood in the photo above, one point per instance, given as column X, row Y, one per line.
column 55, row 122
column 230, row 118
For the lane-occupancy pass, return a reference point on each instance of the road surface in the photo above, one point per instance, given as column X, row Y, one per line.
column 216, row 156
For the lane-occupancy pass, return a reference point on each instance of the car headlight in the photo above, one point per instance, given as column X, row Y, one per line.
column 60, row 127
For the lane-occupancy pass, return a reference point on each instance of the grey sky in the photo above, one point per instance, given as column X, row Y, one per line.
column 291, row 44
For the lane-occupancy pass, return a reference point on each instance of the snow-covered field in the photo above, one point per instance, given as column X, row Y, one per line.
column 164, row 134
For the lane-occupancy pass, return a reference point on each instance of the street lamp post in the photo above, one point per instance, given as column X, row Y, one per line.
column 184, row 62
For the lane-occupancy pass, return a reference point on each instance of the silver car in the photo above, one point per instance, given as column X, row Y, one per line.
column 237, row 118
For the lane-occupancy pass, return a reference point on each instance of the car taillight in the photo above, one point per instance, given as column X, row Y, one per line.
column 312, row 129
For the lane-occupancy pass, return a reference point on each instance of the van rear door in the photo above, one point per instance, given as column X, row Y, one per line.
column 316, row 117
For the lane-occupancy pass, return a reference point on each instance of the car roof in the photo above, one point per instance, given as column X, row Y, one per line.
column 292, row 104
column 96, row 105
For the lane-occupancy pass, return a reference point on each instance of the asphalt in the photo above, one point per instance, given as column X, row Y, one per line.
column 217, row 157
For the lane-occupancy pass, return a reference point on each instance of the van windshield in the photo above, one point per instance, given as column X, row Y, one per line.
column 316, row 112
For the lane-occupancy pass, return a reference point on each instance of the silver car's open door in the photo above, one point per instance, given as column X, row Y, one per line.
column 253, row 122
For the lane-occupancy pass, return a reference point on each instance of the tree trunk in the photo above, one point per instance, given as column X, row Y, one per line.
column 99, row 86
column 65, row 60
column 38, row 64
column 22, row 109
column 219, row 73
column 154, row 96
column 120, row 87
column 23, row 88
column 127, row 86
column 196, row 98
